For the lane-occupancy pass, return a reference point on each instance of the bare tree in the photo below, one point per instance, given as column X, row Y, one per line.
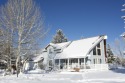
column 22, row 18
column 6, row 52
column 118, row 49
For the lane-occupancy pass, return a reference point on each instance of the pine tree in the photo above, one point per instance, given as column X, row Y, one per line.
column 110, row 54
column 59, row 37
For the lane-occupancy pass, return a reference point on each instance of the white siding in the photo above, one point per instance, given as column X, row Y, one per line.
column 98, row 57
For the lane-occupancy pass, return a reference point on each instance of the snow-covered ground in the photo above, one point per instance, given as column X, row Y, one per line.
column 107, row 76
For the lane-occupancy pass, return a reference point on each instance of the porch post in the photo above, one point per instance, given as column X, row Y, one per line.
column 59, row 64
column 53, row 63
column 68, row 64
column 78, row 63
column 84, row 63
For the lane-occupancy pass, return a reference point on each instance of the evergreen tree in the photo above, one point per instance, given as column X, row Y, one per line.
column 110, row 54
column 59, row 37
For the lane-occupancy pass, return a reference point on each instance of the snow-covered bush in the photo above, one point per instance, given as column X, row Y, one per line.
column 36, row 71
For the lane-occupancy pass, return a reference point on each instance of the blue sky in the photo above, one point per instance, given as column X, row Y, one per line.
column 82, row 18
column 85, row 18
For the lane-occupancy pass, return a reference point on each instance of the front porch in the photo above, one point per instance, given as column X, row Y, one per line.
column 70, row 63
column 81, row 63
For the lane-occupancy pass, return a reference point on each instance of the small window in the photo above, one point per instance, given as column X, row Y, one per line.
column 74, row 60
column 81, row 60
column 94, row 51
column 99, row 51
column 50, row 63
column 57, row 61
column 98, row 45
column 50, row 51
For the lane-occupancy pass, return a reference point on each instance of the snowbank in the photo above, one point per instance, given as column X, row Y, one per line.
column 108, row 76
column 36, row 71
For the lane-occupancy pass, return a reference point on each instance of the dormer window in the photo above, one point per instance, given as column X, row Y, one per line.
column 50, row 51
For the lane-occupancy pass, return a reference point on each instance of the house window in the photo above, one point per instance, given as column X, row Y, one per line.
column 97, row 61
column 57, row 61
column 81, row 60
column 98, row 45
column 50, row 51
column 97, row 50
column 74, row 60
column 50, row 63
column 94, row 51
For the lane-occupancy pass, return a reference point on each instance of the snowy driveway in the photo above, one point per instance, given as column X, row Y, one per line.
column 117, row 76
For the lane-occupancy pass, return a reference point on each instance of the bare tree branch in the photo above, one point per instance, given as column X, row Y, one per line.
column 22, row 19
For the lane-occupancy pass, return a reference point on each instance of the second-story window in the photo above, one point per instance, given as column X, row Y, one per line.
column 98, row 46
column 50, row 51
column 97, row 50
column 94, row 51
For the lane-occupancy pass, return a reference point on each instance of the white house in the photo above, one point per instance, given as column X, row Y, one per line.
column 87, row 53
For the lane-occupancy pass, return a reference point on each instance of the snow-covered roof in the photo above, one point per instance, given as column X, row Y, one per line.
column 58, row 45
column 62, row 45
column 79, row 48
column 40, row 57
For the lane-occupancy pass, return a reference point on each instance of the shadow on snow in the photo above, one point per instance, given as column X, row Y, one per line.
column 119, row 70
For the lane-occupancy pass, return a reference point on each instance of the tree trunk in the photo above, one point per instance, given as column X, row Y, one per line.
column 17, row 65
